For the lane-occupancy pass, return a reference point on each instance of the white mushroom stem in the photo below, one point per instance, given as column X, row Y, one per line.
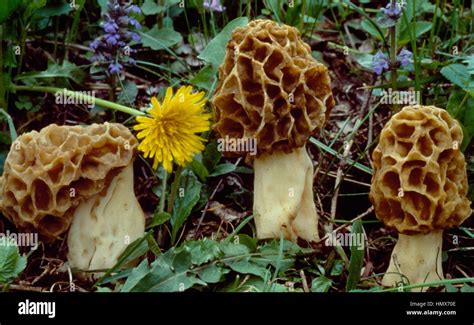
column 283, row 196
column 416, row 259
column 105, row 224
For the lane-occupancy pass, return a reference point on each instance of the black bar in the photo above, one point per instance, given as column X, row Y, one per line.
column 243, row 306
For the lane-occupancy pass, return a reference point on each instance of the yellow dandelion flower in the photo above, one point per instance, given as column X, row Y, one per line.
column 168, row 134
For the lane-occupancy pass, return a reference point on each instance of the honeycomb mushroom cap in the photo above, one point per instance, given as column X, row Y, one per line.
column 48, row 173
column 271, row 88
column 420, row 182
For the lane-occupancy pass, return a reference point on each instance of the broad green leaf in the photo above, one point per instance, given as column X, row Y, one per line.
column 7, row 7
column 169, row 273
column 56, row 9
column 467, row 288
column 136, row 275
column 199, row 169
column 214, row 52
column 150, row 7
column 321, row 284
column 128, row 94
column 211, row 156
column 357, row 257
column 203, row 251
column 459, row 75
column 212, row 273
column 205, row 78
column 67, row 70
column 159, row 39
column 159, row 218
column 420, row 28
column 364, row 59
column 186, row 198
column 31, row 8
column 223, row 169
column 369, row 28
column 11, row 262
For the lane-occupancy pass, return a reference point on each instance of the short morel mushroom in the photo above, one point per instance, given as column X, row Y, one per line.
column 79, row 175
column 272, row 91
column 419, row 187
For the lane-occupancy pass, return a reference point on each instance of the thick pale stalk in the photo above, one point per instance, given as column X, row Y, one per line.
column 417, row 259
column 105, row 224
column 283, row 196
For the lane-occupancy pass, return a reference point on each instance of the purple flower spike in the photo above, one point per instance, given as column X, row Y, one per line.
column 404, row 57
column 115, row 67
column 380, row 62
column 392, row 11
column 95, row 44
column 110, row 27
column 214, row 5
column 134, row 23
column 133, row 9
column 135, row 37
column 118, row 27
column 112, row 39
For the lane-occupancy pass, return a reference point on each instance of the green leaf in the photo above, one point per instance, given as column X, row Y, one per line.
column 364, row 59
column 212, row 273
column 67, row 70
column 128, row 94
column 159, row 39
column 420, row 28
column 369, row 28
column 199, row 169
column 7, row 7
column 203, row 251
column 214, row 52
column 150, row 7
column 357, row 257
column 223, row 169
column 159, row 218
column 169, row 273
column 137, row 274
column 186, row 198
column 337, row 268
column 274, row 6
column 467, row 288
column 211, row 156
column 461, row 106
column 31, row 7
column 52, row 10
column 321, row 284
column 11, row 262
column 459, row 75
column 205, row 78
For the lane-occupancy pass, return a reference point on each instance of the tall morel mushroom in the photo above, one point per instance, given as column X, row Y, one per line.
column 272, row 91
column 419, row 187
column 86, row 173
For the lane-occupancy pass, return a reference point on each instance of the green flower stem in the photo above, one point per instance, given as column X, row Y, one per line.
column 163, row 193
column 174, row 189
column 393, row 55
column 101, row 102
column 430, row 284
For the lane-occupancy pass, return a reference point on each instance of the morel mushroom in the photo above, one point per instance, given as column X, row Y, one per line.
column 64, row 172
column 419, row 187
column 272, row 91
